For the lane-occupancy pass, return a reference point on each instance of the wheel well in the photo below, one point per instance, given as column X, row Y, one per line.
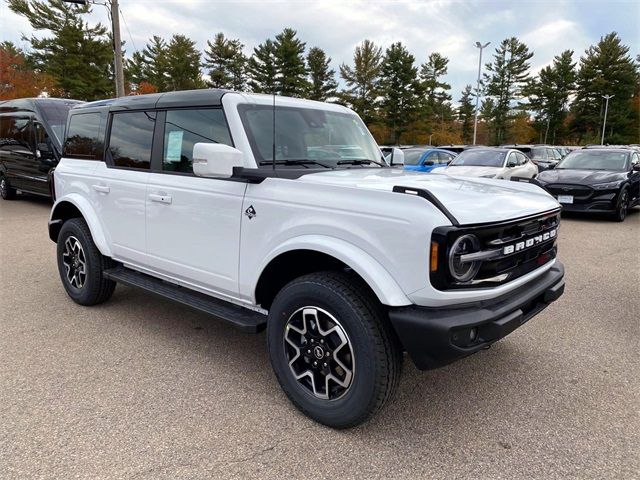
column 64, row 211
column 290, row 265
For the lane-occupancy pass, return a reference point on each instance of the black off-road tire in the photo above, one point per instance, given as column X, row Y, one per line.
column 623, row 205
column 7, row 192
column 95, row 288
column 377, row 353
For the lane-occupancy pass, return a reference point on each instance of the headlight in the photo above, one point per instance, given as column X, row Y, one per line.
column 464, row 271
column 606, row 186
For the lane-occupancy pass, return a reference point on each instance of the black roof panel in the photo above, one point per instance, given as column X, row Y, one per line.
column 185, row 98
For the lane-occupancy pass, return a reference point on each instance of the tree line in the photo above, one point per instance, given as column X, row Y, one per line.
column 402, row 102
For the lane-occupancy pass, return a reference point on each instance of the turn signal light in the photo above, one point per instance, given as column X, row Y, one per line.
column 434, row 256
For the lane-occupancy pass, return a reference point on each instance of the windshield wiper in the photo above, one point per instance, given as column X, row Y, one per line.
column 360, row 161
column 304, row 163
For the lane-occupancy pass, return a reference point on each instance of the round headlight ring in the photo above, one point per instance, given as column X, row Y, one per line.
column 464, row 272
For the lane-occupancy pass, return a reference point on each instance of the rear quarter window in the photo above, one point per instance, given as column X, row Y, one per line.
column 85, row 136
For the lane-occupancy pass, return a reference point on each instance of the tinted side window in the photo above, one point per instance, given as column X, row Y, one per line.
column 522, row 158
column 15, row 132
column 85, row 137
column 131, row 139
column 185, row 128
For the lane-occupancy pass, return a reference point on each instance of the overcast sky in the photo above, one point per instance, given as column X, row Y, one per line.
column 450, row 27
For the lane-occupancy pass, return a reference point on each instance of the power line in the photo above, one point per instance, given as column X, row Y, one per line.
column 128, row 31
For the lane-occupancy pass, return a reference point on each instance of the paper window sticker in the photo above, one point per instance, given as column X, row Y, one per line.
column 174, row 146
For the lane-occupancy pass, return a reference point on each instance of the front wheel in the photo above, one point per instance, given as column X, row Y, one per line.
column 7, row 192
column 81, row 265
column 623, row 206
column 332, row 349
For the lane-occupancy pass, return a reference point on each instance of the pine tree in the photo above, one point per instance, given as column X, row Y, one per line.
column 183, row 64
column 548, row 95
column 77, row 56
column 606, row 69
column 226, row 62
column 150, row 65
column 435, row 90
column 466, row 112
column 363, row 80
column 262, row 69
column 507, row 75
column 399, row 88
column 322, row 82
column 290, row 64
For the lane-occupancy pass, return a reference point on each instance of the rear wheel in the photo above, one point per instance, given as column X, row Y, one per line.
column 81, row 265
column 623, row 205
column 6, row 191
column 332, row 349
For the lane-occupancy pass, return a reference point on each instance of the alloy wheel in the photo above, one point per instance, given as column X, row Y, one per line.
column 74, row 261
column 319, row 353
column 624, row 205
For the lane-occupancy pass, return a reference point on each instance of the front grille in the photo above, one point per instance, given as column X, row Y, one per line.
column 507, row 249
column 578, row 191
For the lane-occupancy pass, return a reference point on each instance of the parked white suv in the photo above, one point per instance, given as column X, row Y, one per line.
column 345, row 262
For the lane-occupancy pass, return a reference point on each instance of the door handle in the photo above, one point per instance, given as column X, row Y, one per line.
column 101, row 188
column 154, row 197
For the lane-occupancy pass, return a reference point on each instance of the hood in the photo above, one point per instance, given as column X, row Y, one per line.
column 470, row 171
column 470, row 200
column 580, row 177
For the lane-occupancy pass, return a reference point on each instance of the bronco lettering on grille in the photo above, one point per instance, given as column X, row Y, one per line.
column 529, row 242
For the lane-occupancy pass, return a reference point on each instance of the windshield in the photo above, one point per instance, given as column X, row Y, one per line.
column 479, row 158
column 55, row 115
column 594, row 160
column 306, row 135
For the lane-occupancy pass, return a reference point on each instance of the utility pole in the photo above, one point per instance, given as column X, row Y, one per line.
column 117, row 41
column 604, row 124
column 117, row 48
column 475, row 121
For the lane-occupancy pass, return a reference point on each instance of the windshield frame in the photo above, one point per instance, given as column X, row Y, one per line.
column 333, row 163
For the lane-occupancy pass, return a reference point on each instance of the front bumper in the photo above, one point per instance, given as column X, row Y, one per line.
column 435, row 337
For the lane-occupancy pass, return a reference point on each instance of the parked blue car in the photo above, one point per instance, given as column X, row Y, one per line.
column 425, row 159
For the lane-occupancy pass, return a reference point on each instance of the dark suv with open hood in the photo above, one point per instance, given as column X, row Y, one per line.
column 31, row 132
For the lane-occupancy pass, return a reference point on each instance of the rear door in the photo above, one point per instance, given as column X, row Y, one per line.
column 120, row 183
column 193, row 223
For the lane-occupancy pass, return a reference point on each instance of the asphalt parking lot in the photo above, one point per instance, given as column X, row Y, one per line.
column 141, row 388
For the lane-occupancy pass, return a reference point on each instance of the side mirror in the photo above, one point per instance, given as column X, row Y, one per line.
column 43, row 151
column 397, row 157
column 216, row 160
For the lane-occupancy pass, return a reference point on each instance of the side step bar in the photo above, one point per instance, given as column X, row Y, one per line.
column 243, row 318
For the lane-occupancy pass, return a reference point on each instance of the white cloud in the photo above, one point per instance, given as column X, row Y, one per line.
column 450, row 27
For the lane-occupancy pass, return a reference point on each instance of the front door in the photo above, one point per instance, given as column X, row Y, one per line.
column 193, row 223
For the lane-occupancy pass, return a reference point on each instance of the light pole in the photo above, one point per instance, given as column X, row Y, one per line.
column 475, row 121
column 606, row 107
column 117, row 42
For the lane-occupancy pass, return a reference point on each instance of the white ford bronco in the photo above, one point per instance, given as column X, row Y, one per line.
column 281, row 214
